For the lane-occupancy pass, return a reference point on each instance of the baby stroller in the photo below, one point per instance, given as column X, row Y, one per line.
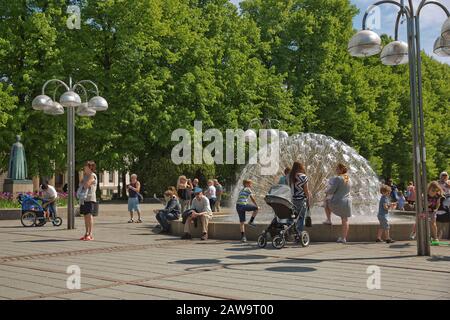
column 443, row 213
column 33, row 214
column 283, row 227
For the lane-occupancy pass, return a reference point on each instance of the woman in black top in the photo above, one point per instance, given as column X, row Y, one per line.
column 298, row 181
column 184, row 189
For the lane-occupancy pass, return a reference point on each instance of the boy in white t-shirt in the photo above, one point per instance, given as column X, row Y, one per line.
column 211, row 194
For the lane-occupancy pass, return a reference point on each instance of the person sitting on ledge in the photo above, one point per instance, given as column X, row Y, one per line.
column 170, row 212
column 200, row 209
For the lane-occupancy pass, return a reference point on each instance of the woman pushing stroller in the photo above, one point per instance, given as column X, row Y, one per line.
column 298, row 182
column 290, row 205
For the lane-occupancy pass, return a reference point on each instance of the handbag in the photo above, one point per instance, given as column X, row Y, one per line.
column 308, row 221
column 81, row 194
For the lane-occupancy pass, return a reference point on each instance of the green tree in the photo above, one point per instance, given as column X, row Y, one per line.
column 7, row 108
column 361, row 102
column 30, row 55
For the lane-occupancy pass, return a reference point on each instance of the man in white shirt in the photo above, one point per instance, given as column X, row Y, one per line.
column 202, row 210
column 49, row 196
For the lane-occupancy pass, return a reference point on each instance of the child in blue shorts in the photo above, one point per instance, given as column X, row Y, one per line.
column 242, row 206
column 383, row 211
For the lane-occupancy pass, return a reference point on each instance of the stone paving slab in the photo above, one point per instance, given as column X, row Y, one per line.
column 130, row 261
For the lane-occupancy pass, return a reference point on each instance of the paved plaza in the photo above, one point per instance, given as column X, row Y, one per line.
column 131, row 261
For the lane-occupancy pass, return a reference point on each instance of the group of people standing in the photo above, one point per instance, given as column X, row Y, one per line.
column 337, row 201
column 185, row 192
column 194, row 204
column 403, row 200
column 437, row 193
column 391, row 198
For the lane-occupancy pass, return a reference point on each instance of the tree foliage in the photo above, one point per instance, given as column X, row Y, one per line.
column 162, row 64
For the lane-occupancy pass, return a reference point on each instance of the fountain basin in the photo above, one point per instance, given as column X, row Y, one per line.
column 358, row 232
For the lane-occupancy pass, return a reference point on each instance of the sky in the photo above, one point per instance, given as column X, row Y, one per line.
column 431, row 19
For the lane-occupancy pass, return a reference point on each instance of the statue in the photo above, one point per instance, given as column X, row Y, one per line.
column 16, row 181
column 17, row 169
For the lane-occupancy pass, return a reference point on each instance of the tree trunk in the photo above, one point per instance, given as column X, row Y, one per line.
column 118, row 189
column 124, row 182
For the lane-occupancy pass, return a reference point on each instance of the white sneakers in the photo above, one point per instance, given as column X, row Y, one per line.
column 341, row 240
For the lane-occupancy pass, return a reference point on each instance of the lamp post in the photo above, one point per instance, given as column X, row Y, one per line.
column 367, row 43
column 72, row 101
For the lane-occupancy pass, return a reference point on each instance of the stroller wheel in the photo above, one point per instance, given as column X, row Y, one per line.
column 57, row 221
column 304, row 239
column 262, row 241
column 278, row 242
column 28, row 219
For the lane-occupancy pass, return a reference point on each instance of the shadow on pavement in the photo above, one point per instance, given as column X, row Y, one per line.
column 146, row 234
column 243, row 248
column 290, row 269
column 294, row 260
column 353, row 259
column 46, row 240
column 13, row 227
column 247, row 257
column 197, row 261
column 400, row 246
column 439, row 258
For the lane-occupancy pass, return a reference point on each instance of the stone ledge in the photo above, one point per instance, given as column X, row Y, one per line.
column 318, row 233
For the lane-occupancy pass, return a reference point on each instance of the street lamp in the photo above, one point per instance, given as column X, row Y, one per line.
column 365, row 43
column 441, row 47
column 72, row 101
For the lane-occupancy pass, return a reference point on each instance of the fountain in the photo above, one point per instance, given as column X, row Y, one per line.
column 320, row 154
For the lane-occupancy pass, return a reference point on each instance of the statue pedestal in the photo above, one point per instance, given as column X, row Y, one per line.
column 18, row 186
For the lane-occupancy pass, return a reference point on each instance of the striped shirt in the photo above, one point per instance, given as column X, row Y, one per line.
column 244, row 194
column 298, row 193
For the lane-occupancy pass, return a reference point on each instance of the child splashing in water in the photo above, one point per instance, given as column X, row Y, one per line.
column 242, row 206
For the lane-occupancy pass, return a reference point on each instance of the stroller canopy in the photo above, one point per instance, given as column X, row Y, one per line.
column 279, row 198
column 282, row 191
